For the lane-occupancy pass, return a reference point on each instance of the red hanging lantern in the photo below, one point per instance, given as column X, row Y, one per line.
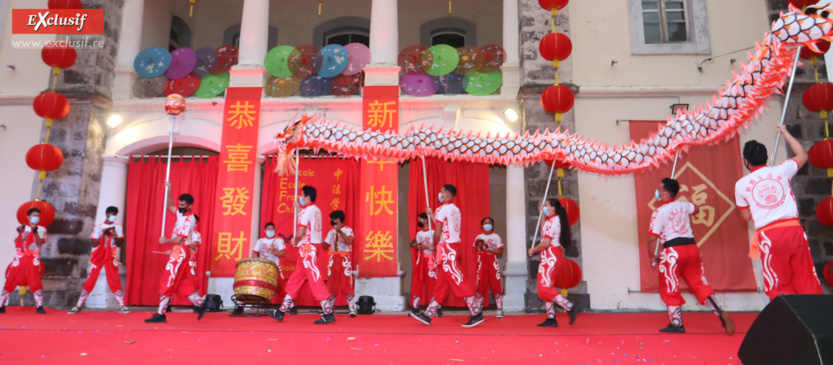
column 569, row 274
column 819, row 98
column 824, row 211
column 44, row 157
column 65, row 4
column 47, row 212
column 553, row 5
column 821, row 154
column 573, row 212
column 51, row 105
column 828, row 273
column 557, row 99
column 58, row 55
column 808, row 54
column 555, row 47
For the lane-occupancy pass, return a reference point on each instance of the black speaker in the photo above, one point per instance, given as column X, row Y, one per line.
column 366, row 305
column 215, row 302
column 792, row 329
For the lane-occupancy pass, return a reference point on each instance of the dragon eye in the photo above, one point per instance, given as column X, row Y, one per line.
column 825, row 14
column 811, row 11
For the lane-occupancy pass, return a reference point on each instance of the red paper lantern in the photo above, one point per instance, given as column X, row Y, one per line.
column 573, row 212
column 51, row 105
column 557, row 46
column 557, row 99
column 559, row 164
column 824, row 211
column 58, row 54
column 44, row 157
column 818, row 97
column 808, row 53
column 553, row 4
column 65, row 4
column 821, row 154
column 828, row 273
column 569, row 275
column 47, row 212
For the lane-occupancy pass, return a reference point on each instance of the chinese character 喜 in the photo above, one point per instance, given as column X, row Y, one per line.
column 238, row 158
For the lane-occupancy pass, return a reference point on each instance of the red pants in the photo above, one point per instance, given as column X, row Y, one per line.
column 786, row 262
column 552, row 260
column 450, row 276
column 488, row 274
column 24, row 270
column 424, row 279
column 175, row 279
column 105, row 256
column 682, row 262
column 307, row 270
column 340, row 273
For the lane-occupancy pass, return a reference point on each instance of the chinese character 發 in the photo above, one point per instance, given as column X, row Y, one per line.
column 378, row 245
column 234, row 200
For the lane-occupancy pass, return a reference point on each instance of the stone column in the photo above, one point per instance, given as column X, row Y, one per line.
column 130, row 43
column 113, row 193
column 511, row 36
column 254, row 37
column 516, row 272
column 384, row 32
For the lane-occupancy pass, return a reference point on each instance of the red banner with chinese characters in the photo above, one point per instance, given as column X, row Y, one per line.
column 707, row 176
column 377, row 236
column 235, row 180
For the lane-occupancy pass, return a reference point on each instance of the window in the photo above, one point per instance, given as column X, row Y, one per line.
column 664, row 21
column 452, row 37
column 346, row 36
column 180, row 34
column 235, row 39
column 454, row 32
column 343, row 31
column 231, row 35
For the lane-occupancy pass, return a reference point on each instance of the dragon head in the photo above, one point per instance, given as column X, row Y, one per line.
column 287, row 141
column 806, row 27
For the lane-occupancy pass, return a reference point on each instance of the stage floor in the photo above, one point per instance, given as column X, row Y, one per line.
column 94, row 337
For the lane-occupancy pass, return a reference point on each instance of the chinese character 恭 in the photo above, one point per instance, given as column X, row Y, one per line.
column 381, row 114
column 379, row 245
column 379, row 200
column 234, row 199
column 230, row 247
column 241, row 115
column 238, row 158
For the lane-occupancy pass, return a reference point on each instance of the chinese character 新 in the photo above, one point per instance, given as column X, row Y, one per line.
column 230, row 247
column 378, row 245
column 379, row 200
column 241, row 115
column 234, row 200
column 380, row 115
column 238, row 158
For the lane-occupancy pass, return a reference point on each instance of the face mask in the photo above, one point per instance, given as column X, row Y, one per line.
column 333, row 223
column 547, row 211
column 421, row 224
column 111, row 218
column 270, row 234
column 656, row 195
column 34, row 220
column 440, row 197
column 183, row 210
column 301, row 201
column 487, row 227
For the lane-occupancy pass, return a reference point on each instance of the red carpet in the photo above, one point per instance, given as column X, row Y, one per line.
column 107, row 337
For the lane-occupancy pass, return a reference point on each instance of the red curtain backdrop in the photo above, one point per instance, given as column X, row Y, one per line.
column 334, row 193
column 707, row 176
column 143, row 221
column 472, row 183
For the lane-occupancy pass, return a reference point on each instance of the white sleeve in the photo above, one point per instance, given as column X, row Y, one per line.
column 347, row 231
column 96, row 233
column 331, row 237
column 280, row 245
column 305, row 218
column 788, row 168
column 119, row 232
column 740, row 201
column 656, row 224
column 499, row 242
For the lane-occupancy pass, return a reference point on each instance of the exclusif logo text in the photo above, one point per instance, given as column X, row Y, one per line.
column 58, row 21
column 47, row 19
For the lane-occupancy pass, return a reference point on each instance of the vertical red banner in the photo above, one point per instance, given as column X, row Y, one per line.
column 377, row 235
column 235, row 180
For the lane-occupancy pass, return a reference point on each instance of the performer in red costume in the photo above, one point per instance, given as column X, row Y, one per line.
column 449, row 248
column 309, row 242
column 489, row 249
column 555, row 237
column 680, row 258
column 340, row 270
column 26, row 268
column 765, row 196
column 107, row 240
column 176, row 279
column 424, row 273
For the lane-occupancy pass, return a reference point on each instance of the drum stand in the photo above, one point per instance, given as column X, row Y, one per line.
column 248, row 301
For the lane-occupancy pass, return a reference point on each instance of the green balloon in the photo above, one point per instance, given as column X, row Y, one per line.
column 481, row 83
column 445, row 60
column 282, row 61
column 213, row 85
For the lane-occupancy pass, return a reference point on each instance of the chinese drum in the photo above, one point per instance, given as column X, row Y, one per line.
column 256, row 276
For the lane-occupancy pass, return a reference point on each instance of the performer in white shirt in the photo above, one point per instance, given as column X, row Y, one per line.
column 340, row 268
column 26, row 268
column 107, row 241
column 424, row 273
column 489, row 248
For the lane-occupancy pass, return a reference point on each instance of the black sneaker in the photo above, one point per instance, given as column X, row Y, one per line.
column 326, row 319
column 293, row 311
column 2, row 309
column 201, row 310
column 440, row 312
column 157, row 318
column 673, row 329
column 474, row 320
column 573, row 313
column 40, row 310
column 550, row 322
column 422, row 318
column 196, row 309
column 238, row 310
column 414, row 311
column 727, row 322
column 168, row 309
column 277, row 314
